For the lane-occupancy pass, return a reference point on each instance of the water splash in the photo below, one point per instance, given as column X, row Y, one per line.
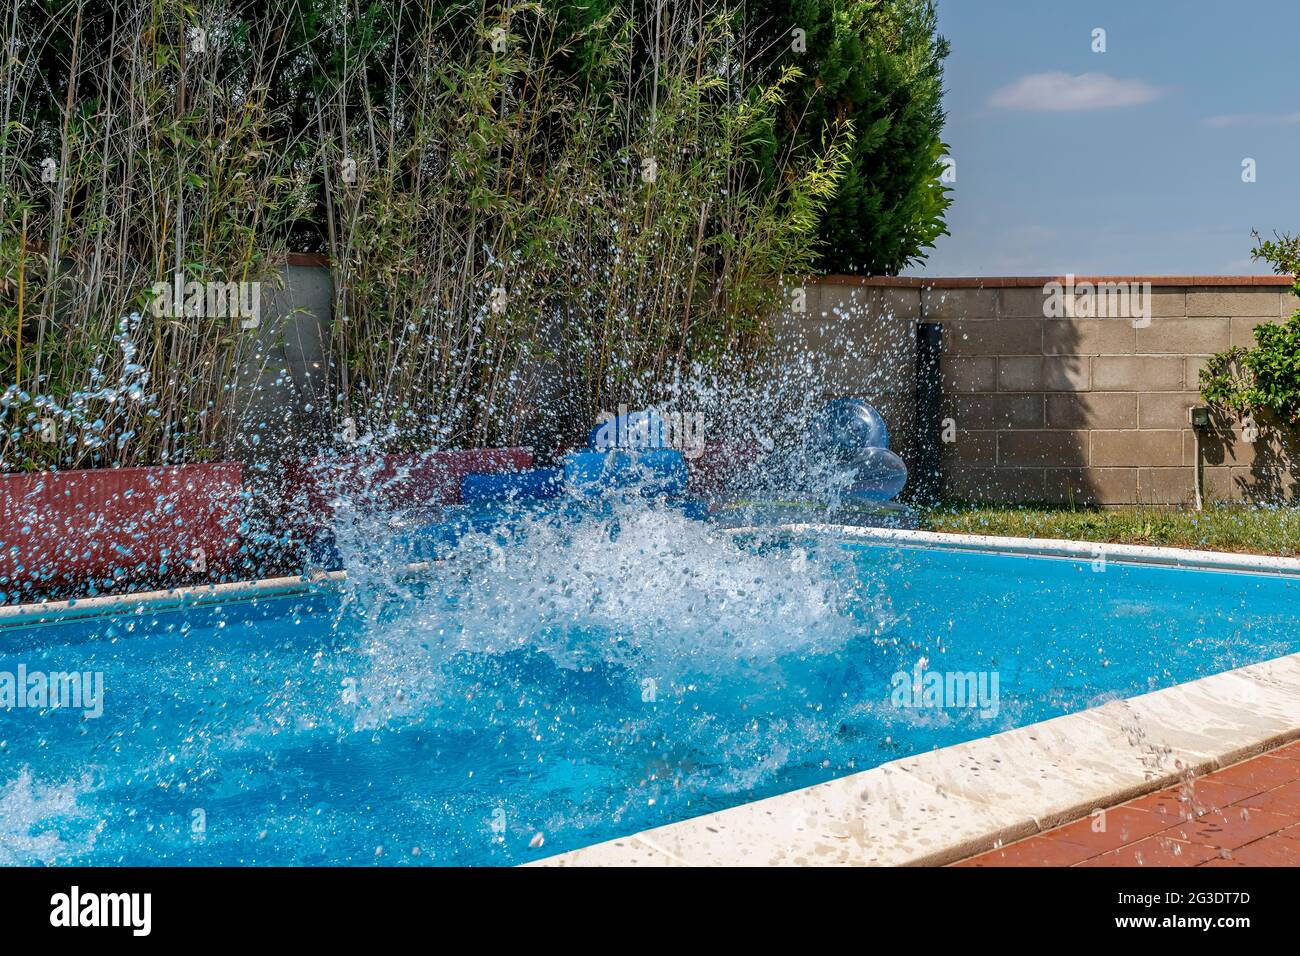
column 44, row 824
column 633, row 586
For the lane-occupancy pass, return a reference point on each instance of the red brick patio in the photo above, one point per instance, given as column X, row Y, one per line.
column 1244, row 815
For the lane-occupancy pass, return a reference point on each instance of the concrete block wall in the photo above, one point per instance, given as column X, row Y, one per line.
column 1072, row 409
column 1094, row 410
column 853, row 337
column 284, row 376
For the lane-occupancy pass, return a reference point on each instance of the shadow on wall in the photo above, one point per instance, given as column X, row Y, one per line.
column 1086, row 402
column 1264, row 470
column 1016, row 407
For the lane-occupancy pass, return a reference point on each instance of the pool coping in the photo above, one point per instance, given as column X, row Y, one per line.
column 951, row 803
column 229, row 592
column 1185, row 558
column 49, row 611
column 948, row 804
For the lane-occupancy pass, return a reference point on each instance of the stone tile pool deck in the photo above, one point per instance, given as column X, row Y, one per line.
column 1247, row 814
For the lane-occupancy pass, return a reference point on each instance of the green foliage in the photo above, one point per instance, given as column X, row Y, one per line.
column 496, row 146
column 1227, row 383
column 158, row 162
column 1265, row 378
column 514, row 214
column 879, row 65
column 1283, row 253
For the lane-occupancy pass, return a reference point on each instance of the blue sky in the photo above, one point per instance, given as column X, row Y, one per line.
column 1127, row 161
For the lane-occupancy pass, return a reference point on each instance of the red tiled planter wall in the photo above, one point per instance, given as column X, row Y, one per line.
column 393, row 481
column 115, row 525
column 107, row 529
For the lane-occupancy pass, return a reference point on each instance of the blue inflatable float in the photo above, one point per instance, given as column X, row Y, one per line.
column 851, row 436
column 512, row 486
column 653, row 473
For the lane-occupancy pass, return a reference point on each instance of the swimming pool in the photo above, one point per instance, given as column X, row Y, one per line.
column 572, row 683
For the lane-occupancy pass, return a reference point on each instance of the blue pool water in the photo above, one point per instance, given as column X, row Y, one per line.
column 572, row 684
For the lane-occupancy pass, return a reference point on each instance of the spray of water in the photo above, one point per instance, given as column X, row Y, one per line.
column 44, row 824
column 654, row 655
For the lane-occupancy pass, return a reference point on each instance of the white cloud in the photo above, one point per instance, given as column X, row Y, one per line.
column 1062, row 91
column 1254, row 119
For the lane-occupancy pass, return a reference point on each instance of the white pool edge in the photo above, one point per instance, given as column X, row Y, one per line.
column 948, row 804
column 229, row 592
column 50, row 611
column 1053, row 548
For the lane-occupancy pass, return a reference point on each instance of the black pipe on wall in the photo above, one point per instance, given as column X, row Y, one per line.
column 929, row 399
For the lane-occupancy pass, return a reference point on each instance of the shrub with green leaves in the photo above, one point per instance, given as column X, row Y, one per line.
column 126, row 158
column 1265, row 378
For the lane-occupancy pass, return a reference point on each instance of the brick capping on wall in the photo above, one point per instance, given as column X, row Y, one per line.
column 318, row 259
column 321, row 259
column 1037, row 282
